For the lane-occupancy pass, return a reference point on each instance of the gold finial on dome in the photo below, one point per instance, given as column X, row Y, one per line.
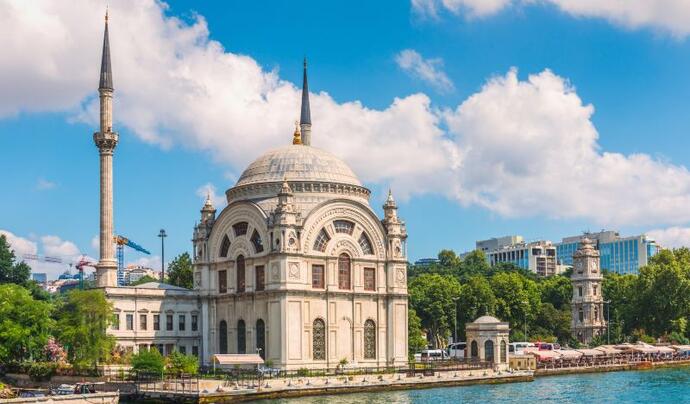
column 297, row 137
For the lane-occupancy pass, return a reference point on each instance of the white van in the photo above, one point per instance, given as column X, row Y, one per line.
column 518, row 348
column 457, row 350
column 433, row 355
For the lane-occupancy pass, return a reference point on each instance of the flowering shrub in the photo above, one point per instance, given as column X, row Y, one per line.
column 54, row 351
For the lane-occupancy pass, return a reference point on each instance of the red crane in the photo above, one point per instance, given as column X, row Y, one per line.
column 83, row 262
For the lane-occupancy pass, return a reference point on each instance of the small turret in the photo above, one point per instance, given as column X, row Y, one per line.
column 390, row 209
column 208, row 211
column 395, row 228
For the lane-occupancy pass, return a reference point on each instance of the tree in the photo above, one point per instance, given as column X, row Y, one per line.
column 476, row 299
column 517, row 298
column 415, row 336
column 473, row 264
column 143, row 279
column 557, row 290
column 82, row 322
column 10, row 271
column 25, row 324
column 179, row 363
column 432, row 296
column 148, row 361
column 180, row 271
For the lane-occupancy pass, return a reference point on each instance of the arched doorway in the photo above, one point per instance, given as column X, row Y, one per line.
column 223, row 337
column 489, row 351
column 241, row 337
column 474, row 350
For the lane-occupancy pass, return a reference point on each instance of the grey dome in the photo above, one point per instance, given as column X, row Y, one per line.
column 487, row 320
column 298, row 163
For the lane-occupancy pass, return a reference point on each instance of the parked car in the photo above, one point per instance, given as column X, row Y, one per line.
column 31, row 394
column 518, row 348
column 547, row 346
column 433, row 355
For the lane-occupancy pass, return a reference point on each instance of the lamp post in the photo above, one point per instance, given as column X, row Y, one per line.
column 455, row 319
column 608, row 322
column 162, row 235
column 526, row 305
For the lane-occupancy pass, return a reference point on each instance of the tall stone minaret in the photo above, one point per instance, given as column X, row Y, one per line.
column 305, row 116
column 106, row 140
column 588, row 302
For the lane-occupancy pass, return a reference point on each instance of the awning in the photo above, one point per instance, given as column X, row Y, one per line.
column 237, row 359
column 590, row 352
column 569, row 354
column 681, row 348
column 608, row 350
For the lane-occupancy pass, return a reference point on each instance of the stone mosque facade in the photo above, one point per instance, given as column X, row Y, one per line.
column 297, row 267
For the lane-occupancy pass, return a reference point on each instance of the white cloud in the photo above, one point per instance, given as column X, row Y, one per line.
column 672, row 237
column 428, row 70
column 518, row 148
column 208, row 189
column 42, row 184
column 671, row 16
column 20, row 245
column 530, row 148
column 96, row 244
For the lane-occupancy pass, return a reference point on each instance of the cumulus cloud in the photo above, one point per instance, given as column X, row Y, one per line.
column 427, row 70
column 209, row 190
column 672, row 237
column 20, row 246
column 516, row 147
column 671, row 16
column 530, row 146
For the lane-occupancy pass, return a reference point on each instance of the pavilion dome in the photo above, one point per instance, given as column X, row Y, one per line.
column 487, row 320
column 298, row 163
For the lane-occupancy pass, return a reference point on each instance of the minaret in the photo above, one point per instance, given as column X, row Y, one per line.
column 305, row 117
column 106, row 140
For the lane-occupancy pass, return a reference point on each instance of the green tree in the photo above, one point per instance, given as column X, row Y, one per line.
column 476, row 299
column 148, row 361
column 11, row 271
column 415, row 336
column 144, row 279
column 473, row 264
column 557, row 290
column 82, row 321
column 25, row 324
column 180, row 271
column 517, row 298
column 432, row 296
column 178, row 363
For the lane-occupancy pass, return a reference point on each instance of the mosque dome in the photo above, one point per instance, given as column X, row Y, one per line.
column 487, row 320
column 298, row 163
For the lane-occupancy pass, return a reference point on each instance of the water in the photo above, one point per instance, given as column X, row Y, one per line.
column 650, row 386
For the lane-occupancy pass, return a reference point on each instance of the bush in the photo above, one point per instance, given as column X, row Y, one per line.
column 678, row 338
column 179, row 363
column 302, row 372
column 150, row 361
column 41, row 371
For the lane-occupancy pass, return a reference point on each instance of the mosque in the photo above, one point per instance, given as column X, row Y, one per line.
column 297, row 267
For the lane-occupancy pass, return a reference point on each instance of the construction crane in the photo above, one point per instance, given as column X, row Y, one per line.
column 121, row 242
column 83, row 262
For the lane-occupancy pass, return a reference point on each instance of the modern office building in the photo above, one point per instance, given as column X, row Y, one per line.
column 623, row 255
column 40, row 277
column 537, row 256
column 425, row 262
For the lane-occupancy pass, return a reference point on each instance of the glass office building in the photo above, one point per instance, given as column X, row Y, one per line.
column 623, row 255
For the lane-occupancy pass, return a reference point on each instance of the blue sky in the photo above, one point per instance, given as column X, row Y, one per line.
column 630, row 69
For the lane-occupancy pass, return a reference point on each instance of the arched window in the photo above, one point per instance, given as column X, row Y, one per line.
column 321, row 241
column 319, row 340
column 344, row 271
column 365, row 244
column 240, row 228
column 256, row 241
column 369, row 339
column 343, row 226
column 489, row 351
column 241, row 337
column 240, row 273
column 596, row 314
column 504, row 357
column 581, row 315
column 224, row 246
column 223, row 337
column 261, row 338
column 474, row 350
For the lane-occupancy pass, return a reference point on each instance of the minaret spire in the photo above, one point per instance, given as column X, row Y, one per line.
column 106, row 140
column 305, row 117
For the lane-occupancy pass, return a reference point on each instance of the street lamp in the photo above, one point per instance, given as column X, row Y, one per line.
column 608, row 322
column 162, row 235
column 455, row 319
column 526, row 305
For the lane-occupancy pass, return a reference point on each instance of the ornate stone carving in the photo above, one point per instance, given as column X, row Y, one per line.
column 293, row 270
column 275, row 271
column 400, row 276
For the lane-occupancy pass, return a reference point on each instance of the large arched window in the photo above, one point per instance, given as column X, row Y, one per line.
column 241, row 337
column 261, row 338
column 369, row 339
column 344, row 271
column 365, row 244
column 489, row 351
column 240, row 228
column 224, row 246
column 319, row 340
column 223, row 337
column 240, row 273
column 474, row 350
column 504, row 357
column 321, row 241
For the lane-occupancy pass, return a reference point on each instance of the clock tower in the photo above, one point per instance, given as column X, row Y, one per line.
column 588, row 301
